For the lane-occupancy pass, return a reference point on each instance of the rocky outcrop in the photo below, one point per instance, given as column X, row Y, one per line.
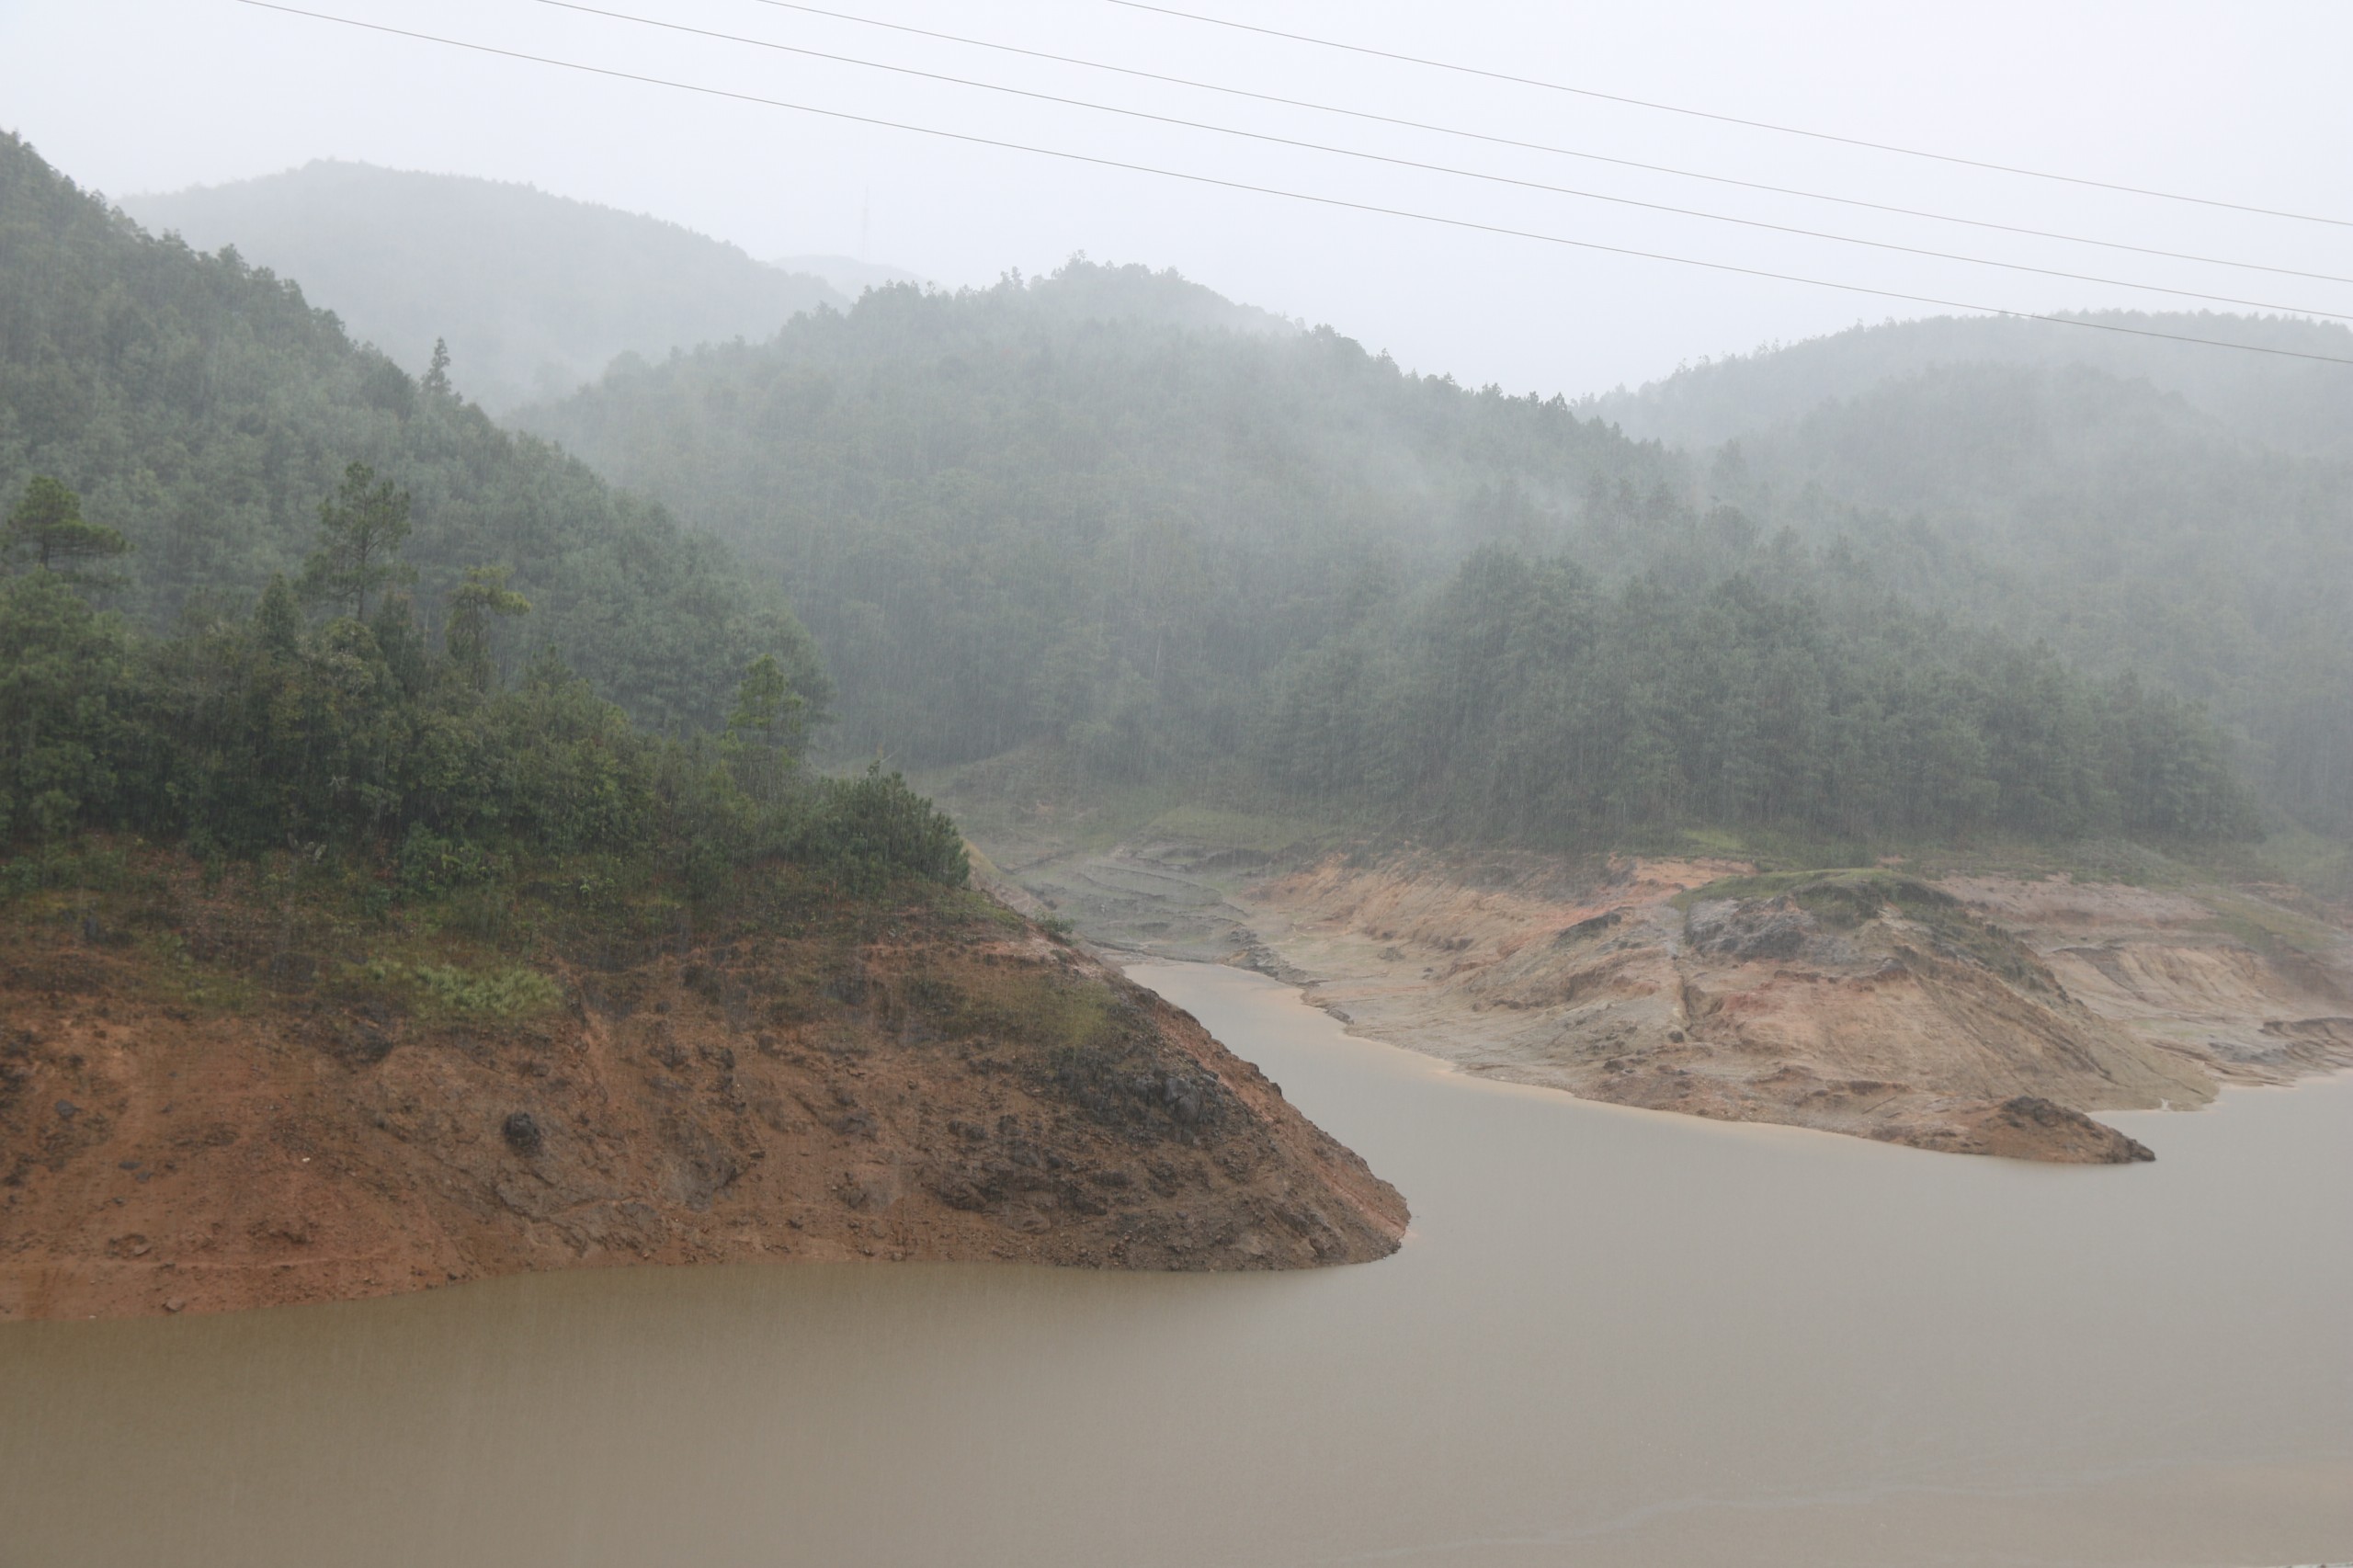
column 966, row 1093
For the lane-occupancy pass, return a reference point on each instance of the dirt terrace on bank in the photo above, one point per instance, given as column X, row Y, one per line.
column 1980, row 1015
column 1006, row 1099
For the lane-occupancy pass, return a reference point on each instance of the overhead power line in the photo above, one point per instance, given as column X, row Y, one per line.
column 1729, row 119
column 1552, row 149
column 1445, row 169
column 1341, row 203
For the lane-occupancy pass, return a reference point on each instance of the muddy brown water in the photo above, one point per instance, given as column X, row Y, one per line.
column 1615, row 1337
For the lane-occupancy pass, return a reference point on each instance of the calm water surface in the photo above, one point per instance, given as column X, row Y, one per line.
column 1614, row 1338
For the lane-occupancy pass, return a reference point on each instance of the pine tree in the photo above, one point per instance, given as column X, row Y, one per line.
column 361, row 529
column 764, row 729
column 436, row 374
column 278, row 619
column 46, row 525
column 482, row 595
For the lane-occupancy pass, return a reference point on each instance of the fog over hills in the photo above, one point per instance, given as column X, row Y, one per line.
column 1117, row 638
column 2177, row 512
column 1115, row 512
column 851, row 276
column 534, row 293
column 1108, row 525
column 1108, row 498
column 2277, row 400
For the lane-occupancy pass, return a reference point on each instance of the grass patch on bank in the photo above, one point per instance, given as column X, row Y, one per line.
column 243, row 937
column 500, row 991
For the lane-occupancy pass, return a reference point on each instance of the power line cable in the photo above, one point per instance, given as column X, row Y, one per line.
column 1448, row 169
column 1556, row 151
column 1730, row 118
column 1332, row 201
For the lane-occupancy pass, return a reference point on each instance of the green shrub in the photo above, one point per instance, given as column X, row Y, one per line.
column 430, row 865
column 867, row 830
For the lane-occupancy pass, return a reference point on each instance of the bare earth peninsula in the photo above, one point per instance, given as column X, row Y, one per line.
column 201, row 1111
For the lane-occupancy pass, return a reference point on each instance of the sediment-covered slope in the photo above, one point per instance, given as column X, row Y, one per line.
column 1975, row 1014
column 942, row 1092
column 1983, row 1015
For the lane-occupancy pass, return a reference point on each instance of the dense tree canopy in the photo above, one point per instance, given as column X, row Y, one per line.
column 1113, row 519
column 204, row 411
column 269, row 732
column 2135, row 531
column 1097, row 507
column 46, row 528
column 1525, row 700
column 1110, row 513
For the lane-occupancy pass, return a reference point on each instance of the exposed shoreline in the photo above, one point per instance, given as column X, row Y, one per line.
column 1968, row 1014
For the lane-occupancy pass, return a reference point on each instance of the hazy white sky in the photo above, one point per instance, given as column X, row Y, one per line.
column 2245, row 102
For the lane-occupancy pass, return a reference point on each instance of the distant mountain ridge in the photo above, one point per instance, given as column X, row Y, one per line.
column 535, row 293
column 2293, row 404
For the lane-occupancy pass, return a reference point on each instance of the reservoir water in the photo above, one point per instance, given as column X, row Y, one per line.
column 1614, row 1337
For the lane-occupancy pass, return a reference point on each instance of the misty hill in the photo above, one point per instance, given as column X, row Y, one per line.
column 1070, row 502
column 202, row 407
column 2127, row 525
column 2281, row 402
column 1109, row 519
column 535, row 293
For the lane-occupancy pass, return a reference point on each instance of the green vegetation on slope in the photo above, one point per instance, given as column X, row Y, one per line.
column 203, row 410
column 1094, row 510
column 2132, row 528
column 1526, row 701
column 351, row 737
column 1108, row 517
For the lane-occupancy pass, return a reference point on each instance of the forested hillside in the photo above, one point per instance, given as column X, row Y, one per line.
column 314, row 788
column 204, row 409
column 534, row 294
column 1099, row 507
column 2135, row 528
column 1525, row 700
column 1109, row 515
